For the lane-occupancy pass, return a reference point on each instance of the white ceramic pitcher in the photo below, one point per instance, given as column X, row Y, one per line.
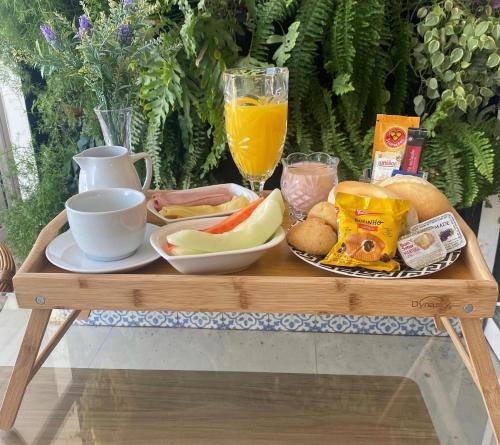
column 111, row 166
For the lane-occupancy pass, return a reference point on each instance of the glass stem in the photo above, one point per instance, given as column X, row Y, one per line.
column 257, row 187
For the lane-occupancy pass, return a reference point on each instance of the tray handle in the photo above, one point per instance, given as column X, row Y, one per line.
column 47, row 234
column 473, row 257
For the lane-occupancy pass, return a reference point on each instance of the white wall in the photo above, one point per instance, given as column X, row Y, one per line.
column 18, row 128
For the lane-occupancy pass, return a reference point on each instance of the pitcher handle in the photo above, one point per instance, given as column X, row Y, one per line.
column 149, row 168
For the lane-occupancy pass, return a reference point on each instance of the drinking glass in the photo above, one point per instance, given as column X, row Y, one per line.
column 256, row 108
column 306, row 180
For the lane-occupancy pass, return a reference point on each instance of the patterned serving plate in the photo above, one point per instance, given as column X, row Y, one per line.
column 405, row 272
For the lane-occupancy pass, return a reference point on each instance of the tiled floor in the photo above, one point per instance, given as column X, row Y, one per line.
column 451, row 397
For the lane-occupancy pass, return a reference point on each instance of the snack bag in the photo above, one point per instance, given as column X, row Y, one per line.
column 368, row 232
column 389, row 143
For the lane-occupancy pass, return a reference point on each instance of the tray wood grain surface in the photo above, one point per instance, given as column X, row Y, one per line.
column 278, row 282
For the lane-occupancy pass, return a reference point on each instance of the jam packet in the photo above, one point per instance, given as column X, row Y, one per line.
column 448, row 230
column 421, row 249
column 368, row 231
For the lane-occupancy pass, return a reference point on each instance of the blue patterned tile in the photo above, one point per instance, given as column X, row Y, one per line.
column 206, row 320
column 161, row 319
column 247, row 321
column 291, row 322
column 268, row 322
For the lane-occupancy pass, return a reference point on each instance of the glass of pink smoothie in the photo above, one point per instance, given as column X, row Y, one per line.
column 306, row 180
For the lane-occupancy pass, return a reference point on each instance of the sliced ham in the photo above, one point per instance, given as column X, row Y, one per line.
column 201, row 196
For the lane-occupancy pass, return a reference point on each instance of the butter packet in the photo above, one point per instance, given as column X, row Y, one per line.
column 448, row 229
column 419, row 250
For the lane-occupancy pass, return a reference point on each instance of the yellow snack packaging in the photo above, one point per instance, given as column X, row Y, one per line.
column 391, row 133
column 368, row 232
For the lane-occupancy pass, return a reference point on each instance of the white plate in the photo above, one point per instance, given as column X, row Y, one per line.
column 404, row 272
column 235, row 189
column 64, row 253
column 210, row 263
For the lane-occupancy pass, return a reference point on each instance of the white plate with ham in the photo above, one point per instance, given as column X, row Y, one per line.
column 202, row 202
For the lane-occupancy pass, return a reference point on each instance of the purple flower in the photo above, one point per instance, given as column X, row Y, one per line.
column 495, row 4
column 50, row 36
column 84, row 27
column 127, row 3
column 124, row 34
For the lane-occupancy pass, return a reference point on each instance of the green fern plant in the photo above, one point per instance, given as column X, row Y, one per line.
column 461, row 161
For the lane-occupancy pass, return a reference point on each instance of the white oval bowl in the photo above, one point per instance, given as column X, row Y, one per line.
column 235, row 189
column 210, row 263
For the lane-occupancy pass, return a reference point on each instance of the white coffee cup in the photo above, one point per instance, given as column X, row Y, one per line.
column 108, row 224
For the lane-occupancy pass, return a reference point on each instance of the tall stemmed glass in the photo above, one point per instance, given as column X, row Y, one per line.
column 256, row 108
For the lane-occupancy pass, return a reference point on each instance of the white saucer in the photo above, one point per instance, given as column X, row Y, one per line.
column 64, row 253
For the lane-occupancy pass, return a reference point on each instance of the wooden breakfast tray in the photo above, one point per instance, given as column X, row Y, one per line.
column 278, row 282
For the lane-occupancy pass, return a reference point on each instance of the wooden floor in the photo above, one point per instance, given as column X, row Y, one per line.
column 99, row 406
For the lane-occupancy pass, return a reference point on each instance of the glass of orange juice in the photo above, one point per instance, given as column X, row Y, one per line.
column 256, row 109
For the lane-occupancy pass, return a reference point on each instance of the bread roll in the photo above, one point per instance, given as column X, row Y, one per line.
column 427, row 199
column 312, row 236
column 373, row 191
column 361, row 189
column 326, row 212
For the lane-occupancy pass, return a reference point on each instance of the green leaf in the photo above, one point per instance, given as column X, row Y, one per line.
column 342, row 84
column 481, row 28
column 456, row 55
column 493, row 60
column 448, row 5
column 433, row 83
column 39, row 50
column 459, row 91
column 447, row 94
column 432, row 94
column 486, row 92
column 282, row 54
column 433, row 46
column 467, row 30
column 437, row 59
column 464, row 64
column 462, row 104
column 456, row 13
column 448, row 76
column 449, row 30
column 419, row 103
column 421, row 13
column 472, row 43
column 275, row 39
column 432, row 19
column 496, row 32
column 488, row 42
column 437, row 10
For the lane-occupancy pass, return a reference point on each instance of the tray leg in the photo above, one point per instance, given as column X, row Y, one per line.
column 84, row 315
column 482, row 365
column 24, row 364
column 439, row 324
